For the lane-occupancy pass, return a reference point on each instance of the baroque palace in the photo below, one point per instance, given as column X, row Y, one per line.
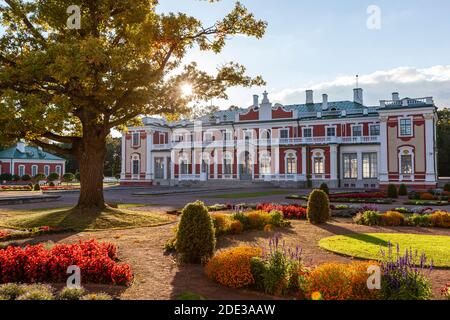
column 345, row 144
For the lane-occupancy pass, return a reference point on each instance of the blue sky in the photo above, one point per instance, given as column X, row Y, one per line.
column 324, row 44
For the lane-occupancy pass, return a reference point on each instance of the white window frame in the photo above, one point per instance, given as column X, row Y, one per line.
column 350, row 177
column 374, row 125
column 138, row 134
column 400, row 127
column 58, row 170
column 32, row 169
column 307, row 128
column 20, row 168
column 406, row 151
column 284, row 130
column 357, row 125
column 372, row 175
column 316, row 154
column 331, row 127
column 227, row 157
column 289, row 154
column 263, row 157
column 134, row 158
column 46, row 170
column 162, row 138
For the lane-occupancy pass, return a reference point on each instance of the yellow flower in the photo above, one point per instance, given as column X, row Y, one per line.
column 316, row 295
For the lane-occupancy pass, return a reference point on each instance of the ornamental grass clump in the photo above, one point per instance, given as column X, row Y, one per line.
column 318, row 211
column 195, row 240
column 403, row 275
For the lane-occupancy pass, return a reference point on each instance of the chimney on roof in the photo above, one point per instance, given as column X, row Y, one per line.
column 255, row 101
column 21, row 146
column 395, row 96
column 324, row 102
column 309, row 97
column 265, row 99
column 358, row 95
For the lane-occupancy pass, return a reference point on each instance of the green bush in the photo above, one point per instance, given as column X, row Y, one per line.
column 277, row 218
column 409, row 285
column 53, row 176
column 318, row 207
column 368, row 218
column 68, row 177
column 37, row 292
column 447, row 187
column 71, row 293
column 5, row 177
column 242, row 218
column 26, row 177
column 258, row 269
column 96, row 296
column 392, row 191
column 37, row 187
column 196, row 240
column 39, row 177
column 419, row 220
column 51, row 184
column 324, row 188
column 11, row 291
column 15, row 177
column 402, row 190
column 78, row 176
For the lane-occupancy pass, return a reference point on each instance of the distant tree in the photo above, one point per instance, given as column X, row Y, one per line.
column 443, row 145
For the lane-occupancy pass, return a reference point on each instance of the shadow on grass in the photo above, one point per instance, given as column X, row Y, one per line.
column 338, row 230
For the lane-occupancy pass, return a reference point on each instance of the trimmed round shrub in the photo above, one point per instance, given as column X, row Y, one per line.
column 26, row 177
column 53, row 176
column 68, row 177
column 37, row 292
column 232, row 267
column 368, row 218
column 324, row 188
column 196, row 240
column 39, row 177
column 11, row 291
column 440, row 219
column 402, row 190
column 392, row 218
column 318, row 207
column 37, row 187
column 15, row 177
column 71, row 293
column 447, row 187
column 236, row 227
column 221, row 223
column 426, row 196
column 51, row 184
column 392, row 191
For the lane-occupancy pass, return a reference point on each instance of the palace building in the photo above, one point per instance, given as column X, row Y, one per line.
column 345, row 144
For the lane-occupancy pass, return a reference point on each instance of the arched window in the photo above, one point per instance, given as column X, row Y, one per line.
column 406, row 161
column 228, row 163
column 265, row 163
column 318, row 161
column 291, row 162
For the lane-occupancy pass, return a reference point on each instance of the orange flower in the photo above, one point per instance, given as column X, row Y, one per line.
column 316, row 295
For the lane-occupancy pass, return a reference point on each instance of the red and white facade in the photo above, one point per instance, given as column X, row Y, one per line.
column 345, row 144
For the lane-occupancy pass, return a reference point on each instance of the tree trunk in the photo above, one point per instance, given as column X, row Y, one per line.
column 91, row 158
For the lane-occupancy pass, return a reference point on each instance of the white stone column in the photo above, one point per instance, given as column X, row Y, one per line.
column 383, row 154
column 123, row 160
column 165, row 168
column 360, row 166
column 333, row 162
column 429, row 151
column 304, row 161
column 277, row 160
column 216, row 167
column 172, row 165
column 148, row 156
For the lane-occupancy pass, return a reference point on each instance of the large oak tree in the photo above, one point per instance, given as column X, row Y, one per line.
column 70, row 87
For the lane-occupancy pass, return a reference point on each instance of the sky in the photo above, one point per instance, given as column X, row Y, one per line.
column 323, row 44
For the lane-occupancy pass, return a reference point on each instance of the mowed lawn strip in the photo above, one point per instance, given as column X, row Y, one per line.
column 84, row 220
column 243, row 195
column 369, row 245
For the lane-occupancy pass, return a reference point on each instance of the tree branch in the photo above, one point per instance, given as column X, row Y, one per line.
column 53, row 147
column 58, row 138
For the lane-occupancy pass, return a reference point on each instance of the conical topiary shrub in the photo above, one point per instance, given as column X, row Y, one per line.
column 196, row 240
column 402, row 190
column 318, row 207
column 324, row 188
column 392, row 191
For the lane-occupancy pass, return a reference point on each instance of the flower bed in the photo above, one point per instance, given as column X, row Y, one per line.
column 360, row 195
column 97, row 261
column 50, row 188
column 427, row 202
column 16, row 188
column 291, row 211
column 372, row 197
column 439, row 219
column 29, row 233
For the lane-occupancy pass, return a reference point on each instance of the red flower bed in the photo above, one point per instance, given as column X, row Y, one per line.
column 15, row 188
column 361, row 195
column 59, row 188
column 289, row 211
column 97, row 261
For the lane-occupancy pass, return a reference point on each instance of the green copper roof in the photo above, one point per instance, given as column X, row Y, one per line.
column 30, row 153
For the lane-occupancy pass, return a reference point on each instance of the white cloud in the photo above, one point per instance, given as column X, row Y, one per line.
column 408, row 81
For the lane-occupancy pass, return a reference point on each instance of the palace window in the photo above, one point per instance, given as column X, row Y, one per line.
column 58, row 170
column 227, row 167
column 350, row 165
column 227, row 135
column 291, row 164
column 46, row 170
column 21, row 170
column 319, row 167
column 374, row 130
column 135, row 166
column 406, row 164
column 331, row 131
column 405, row 127
column 135, row 139
column 284, row 133
column 265, row 164
column 370, row 165
column 183, row 167
column 34, row 170
column 159, row 168
column 307, row 132
column 357, row 131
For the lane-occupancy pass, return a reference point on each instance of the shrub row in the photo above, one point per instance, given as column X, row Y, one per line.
column 439, row 219
column 29, row 233
column 14, row 291
column 97, row 261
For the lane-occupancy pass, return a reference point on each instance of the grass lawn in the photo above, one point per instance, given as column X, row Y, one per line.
column 367, row 246
column 82, row 220
column 243, row 195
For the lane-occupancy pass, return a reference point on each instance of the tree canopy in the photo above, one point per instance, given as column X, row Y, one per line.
column 72, row 86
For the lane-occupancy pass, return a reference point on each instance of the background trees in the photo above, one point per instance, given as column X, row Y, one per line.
column 443, row 142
